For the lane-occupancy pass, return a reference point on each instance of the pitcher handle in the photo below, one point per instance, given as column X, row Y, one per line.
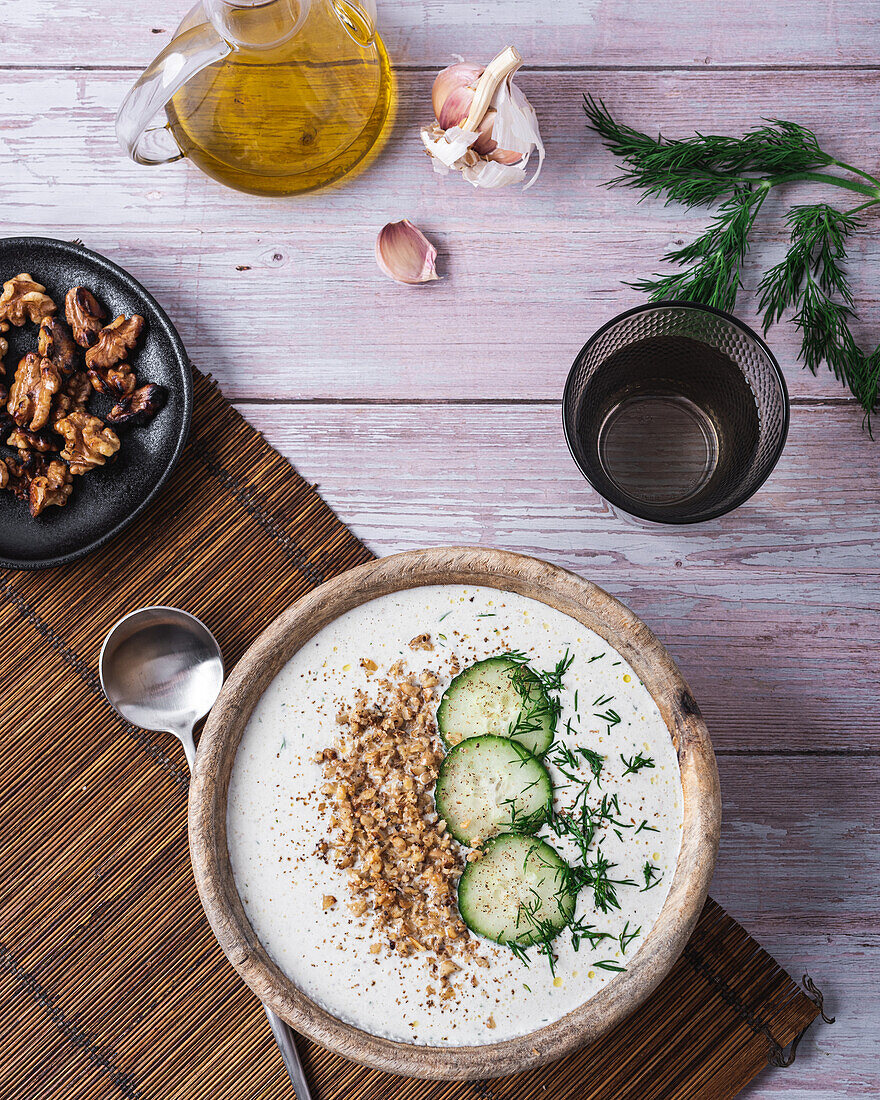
column 187, row 54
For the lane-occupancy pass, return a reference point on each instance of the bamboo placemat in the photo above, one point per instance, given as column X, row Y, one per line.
column 111, row 984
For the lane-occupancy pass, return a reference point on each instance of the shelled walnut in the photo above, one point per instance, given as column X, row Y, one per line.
column 87, row 443
column 50, row 488
column 84, row 314
column 139, row 405
column 115, row 341
column 25, row 300
column 45, row 412
column 42, row 441
column 74, row 395
column 55, row 343
column 118, row 381
column 30, row 397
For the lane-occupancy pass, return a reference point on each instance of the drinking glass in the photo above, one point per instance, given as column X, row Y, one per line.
column 675, row 412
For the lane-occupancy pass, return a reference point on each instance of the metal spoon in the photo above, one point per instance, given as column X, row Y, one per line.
column 161, row 669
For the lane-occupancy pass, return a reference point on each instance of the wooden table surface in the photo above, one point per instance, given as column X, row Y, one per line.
column 431, row 415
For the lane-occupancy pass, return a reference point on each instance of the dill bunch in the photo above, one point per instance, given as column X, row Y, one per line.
column 736, row 174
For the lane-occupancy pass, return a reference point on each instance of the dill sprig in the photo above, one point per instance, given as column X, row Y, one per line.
column 737, row 173
column 652, row 876
column 626, row 937
column 636, row 763
column 581, row 930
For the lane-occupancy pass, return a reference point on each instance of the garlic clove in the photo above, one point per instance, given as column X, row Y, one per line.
column 405, row 254
column 456, row 78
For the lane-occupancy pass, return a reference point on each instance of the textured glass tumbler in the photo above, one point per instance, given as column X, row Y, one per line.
column 675, row 413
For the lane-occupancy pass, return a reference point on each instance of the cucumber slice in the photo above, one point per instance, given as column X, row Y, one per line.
column 520, row 891
column 497, row 696
column 490, row 785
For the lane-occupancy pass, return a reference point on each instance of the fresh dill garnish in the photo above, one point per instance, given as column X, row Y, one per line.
column 580, row 930
column 652, row 876
column 608, row 964
column 636, row 763
column 602, row 700
column 648, row 828
column 595, row 876
column 552, row 681
column 610, row 716
column 594, row 760
column 598, row 657
column 515, row 655
column 626, row 937
column 486, row 615
column 521, row 822
column 443, row 616
column 518, row 952
column 737, row 174
column 541, row 932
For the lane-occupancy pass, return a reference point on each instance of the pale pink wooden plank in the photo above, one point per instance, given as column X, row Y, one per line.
column 528, row 275
column 798, row 867
column 586, row 32
column 772, row 611
column 834, row 1061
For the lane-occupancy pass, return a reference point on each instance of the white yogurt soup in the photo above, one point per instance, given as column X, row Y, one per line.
column 301, row 903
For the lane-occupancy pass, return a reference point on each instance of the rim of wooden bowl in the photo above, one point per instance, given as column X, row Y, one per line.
column 583, row 601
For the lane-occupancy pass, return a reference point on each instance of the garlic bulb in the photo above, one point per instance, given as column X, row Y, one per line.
column 405, row 254
column 486, row 128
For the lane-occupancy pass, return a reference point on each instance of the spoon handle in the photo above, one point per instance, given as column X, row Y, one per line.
column 290, row 1055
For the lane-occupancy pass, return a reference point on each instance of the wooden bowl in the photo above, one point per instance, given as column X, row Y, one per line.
column 510, row 572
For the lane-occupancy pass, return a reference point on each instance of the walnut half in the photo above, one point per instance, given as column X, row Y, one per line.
column 87, row 443
column 75, row 395
column 52, row 487
column 84, row 314
column 23, row 299
column 30, row 397
column 139, row 406
column 115, row 341
column 55, row 343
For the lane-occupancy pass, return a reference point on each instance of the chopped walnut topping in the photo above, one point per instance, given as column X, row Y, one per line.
column 115, row 341
column 328, row 902
column 87, row 443
column 4, row 346
column 403, row 866
column 24, row 300
column 30, row 397
column 53, row 487
column 421, row 641
column 4, row 474
column 84, row 315
column 138, row 406
column 490, row 1022
column 55, row 343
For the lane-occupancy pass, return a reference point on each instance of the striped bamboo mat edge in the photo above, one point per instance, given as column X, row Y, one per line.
column 111, row 984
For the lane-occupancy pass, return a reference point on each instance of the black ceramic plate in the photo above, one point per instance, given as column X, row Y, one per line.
column 106, row 499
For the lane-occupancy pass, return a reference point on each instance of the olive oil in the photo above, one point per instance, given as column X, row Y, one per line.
column 303, row 114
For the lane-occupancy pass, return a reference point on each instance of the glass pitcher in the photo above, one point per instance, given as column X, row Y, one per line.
column 272, row 97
